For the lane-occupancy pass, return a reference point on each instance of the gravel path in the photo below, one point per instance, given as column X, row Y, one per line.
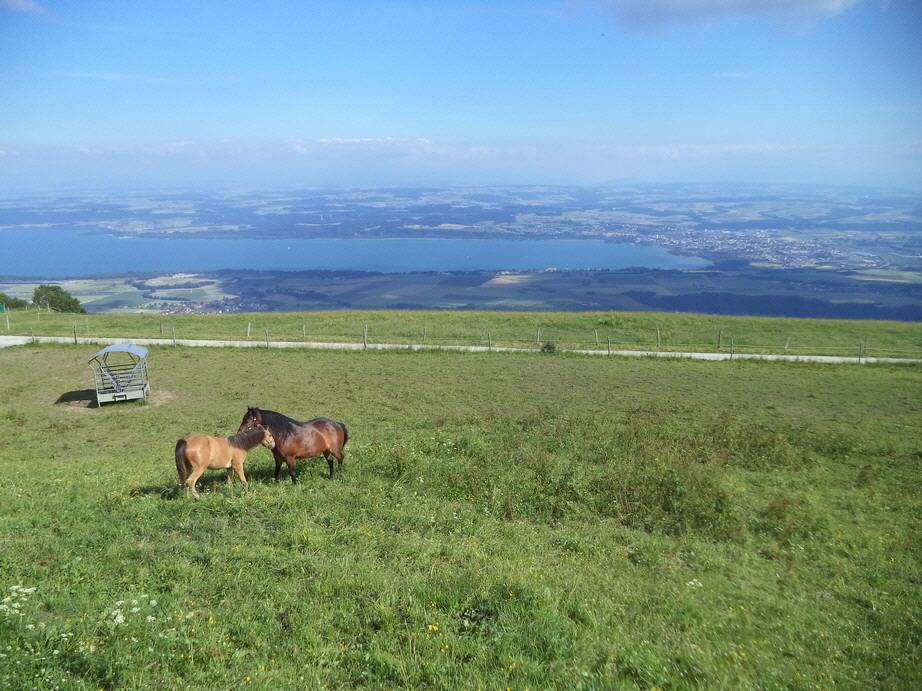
column 6, row 341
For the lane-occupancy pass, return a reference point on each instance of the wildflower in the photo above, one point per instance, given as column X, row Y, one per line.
column 119, row 603
column 30, row 626
column 151, row 618
column 153, row 603
column 135, row 610
column 432, row 627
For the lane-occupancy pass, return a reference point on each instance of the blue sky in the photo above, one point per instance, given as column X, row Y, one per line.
column 215, row 93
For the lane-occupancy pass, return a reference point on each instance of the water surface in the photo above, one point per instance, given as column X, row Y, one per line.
column 61, row 253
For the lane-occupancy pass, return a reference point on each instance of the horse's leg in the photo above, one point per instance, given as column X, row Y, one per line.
column 243, row 478
column 330, row 455
column 292, row 467
column 193, row 478
column 278, row 463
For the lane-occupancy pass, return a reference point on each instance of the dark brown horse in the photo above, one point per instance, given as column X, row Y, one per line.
column 295, row 439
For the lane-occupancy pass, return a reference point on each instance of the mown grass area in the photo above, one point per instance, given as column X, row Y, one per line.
column 565, row 330
column 505, row 520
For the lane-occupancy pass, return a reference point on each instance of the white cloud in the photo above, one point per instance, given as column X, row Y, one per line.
column 28, row 6
column 654, row 13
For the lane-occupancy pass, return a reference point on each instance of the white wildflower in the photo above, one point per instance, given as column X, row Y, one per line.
column 135, row 610
column 153, row 603
column 151, row 618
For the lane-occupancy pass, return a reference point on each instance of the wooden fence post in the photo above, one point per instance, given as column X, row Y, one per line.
column 731, row 347
column 365, row 337
column 424, row 334
column 787, row 343
column 174, row 335
column 596, row 338
column 161, row 328
column 489, row 342
column 657, row 337
column 303, row 331
column 75, row 334
column 718, row 339
column 860, row 350
column 267, row 338
column 609, row 345
column 7, row 315
column 248, row 329
column 538, row 336
column 87, row 325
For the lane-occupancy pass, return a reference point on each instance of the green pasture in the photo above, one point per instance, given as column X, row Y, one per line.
column 565, row 330
column 505, row 521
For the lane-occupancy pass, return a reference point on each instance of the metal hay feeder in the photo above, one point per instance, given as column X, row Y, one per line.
column 122, row 379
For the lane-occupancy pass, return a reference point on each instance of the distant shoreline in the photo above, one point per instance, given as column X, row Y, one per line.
column 732, row 288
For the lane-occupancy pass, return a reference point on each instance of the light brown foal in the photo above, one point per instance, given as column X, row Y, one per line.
column 196, row 453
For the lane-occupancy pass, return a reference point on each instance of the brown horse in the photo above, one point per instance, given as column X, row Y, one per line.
column 196, row 453
column 295, row 439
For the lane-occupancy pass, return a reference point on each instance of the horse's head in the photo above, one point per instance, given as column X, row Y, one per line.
column 268, row 439
column 251, row 419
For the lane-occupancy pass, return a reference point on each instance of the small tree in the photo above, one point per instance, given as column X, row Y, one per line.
column 11, row 302
column 57, row 299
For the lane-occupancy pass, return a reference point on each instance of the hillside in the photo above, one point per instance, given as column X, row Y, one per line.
column 505, row 520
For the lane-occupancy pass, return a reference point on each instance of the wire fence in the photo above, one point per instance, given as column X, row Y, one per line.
column 845, row 339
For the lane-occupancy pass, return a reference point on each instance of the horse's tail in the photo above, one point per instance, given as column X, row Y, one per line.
column 345, row 433
column 181, row 467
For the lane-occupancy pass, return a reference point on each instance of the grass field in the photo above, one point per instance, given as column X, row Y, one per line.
column 505, row 520
column 642, row 330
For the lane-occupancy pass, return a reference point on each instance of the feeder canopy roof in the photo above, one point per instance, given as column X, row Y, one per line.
column 136, row 350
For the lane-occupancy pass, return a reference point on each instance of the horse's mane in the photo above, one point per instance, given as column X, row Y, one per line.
column 246, row 440
column 280, row 425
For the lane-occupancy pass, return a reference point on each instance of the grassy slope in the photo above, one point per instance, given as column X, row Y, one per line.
column 505, row 520
column 566, row 330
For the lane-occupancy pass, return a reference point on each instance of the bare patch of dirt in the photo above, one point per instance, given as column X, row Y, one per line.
column 85, row 400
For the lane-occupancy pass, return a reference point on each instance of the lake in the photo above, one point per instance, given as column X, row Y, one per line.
column 63, row 253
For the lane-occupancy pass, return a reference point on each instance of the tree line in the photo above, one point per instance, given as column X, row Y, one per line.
column 48, row 296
